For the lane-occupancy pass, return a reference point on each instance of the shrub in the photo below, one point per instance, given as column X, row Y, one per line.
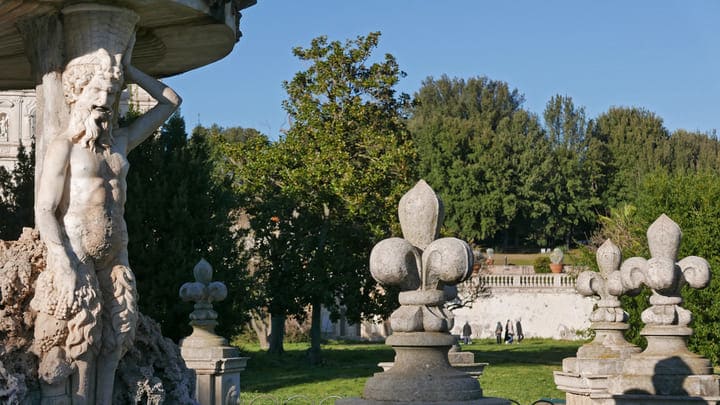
column 542, row 264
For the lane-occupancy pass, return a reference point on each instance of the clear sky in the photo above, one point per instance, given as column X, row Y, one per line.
column 662, row 55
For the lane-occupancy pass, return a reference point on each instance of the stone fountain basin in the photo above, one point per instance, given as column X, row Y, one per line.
column 174, row 36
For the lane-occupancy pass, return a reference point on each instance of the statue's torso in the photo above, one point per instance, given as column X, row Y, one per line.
column 95, row 200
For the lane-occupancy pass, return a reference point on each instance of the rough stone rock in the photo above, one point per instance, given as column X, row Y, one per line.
column 152, row 372
column 21, row 262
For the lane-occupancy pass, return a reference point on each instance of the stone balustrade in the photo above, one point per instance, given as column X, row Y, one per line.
column 528, row 281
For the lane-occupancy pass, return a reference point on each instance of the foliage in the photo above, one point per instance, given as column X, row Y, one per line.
column 484, row 155
column 573, row 199
column 320, row 197
column 17, row 189
column 178, row 213
column 637, row 144
column 542, row 264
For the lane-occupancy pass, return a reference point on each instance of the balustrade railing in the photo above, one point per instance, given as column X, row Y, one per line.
column 549, row 281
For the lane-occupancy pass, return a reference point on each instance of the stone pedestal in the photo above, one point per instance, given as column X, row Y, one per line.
column 217, row 367
column 422, row 374
column 666, row 367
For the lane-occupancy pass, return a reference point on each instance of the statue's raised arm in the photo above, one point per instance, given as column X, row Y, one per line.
column 168, row 102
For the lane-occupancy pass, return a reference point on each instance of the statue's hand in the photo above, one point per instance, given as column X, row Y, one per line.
column 127, row 56
column 65, row 285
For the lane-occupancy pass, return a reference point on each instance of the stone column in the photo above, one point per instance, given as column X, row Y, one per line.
column 603, row 357
column 421, row 265
column 44, row 44
column 217, row 365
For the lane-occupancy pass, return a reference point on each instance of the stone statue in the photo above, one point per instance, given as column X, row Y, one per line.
column 3, row 126
column 86, row 300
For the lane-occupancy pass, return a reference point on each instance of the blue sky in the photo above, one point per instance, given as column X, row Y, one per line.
column 660, row 55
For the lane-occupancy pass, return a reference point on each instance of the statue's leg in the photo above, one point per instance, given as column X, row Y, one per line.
column 120, row 314
column 83, row 380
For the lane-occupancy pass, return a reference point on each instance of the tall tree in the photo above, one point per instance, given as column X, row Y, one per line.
column 637, row 142
column 17, row 195
column 484, row 155
column 574, row 202
column 177, row 213
column 322, row 195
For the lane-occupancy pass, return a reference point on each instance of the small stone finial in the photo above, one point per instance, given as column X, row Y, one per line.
column 606, row 284
column 604, row 355
column 203, row 291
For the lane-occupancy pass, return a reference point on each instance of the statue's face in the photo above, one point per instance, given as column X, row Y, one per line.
column 94, row 109
column 99, row 95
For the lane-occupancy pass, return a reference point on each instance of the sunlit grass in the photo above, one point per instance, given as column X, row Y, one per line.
column 522, row 372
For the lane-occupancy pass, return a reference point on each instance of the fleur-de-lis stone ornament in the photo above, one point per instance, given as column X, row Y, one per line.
column 666, row 366
column 420, row 264
column 602, row 355
column 665, row 275
column 203, row 291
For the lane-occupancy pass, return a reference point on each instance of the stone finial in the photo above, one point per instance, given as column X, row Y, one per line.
column 666, row 366
column 607, row 284
column 665, row 275
column 420, row 264
column 203, row 291
column 603, row 357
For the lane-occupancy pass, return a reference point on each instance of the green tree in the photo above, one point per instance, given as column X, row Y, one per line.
column 178, row 213
column 574, row 200
column 485, row 156
column 17, row 194
column 637, row 144
column 321, row 196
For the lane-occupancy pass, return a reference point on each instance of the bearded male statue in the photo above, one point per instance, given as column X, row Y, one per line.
column 86, row 300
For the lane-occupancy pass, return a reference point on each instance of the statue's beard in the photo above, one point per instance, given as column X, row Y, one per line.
column 96, row 126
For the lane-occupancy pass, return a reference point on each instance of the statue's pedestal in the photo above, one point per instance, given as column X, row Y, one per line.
column 596, row 362
column 422, row 375
column 217, row 367
column 665, row 373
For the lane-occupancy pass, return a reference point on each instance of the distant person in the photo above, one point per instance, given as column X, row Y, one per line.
column 466, row 333
column 518, row 331
column 498, row 332
column 509, row 332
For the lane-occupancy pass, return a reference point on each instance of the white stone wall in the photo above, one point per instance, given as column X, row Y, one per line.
column 546, row 314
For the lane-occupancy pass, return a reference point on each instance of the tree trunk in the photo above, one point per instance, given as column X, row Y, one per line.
column 260, row 323
column 314, row 354
column 277, row 334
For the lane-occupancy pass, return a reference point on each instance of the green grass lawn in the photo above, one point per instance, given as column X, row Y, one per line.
column 522, row 372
